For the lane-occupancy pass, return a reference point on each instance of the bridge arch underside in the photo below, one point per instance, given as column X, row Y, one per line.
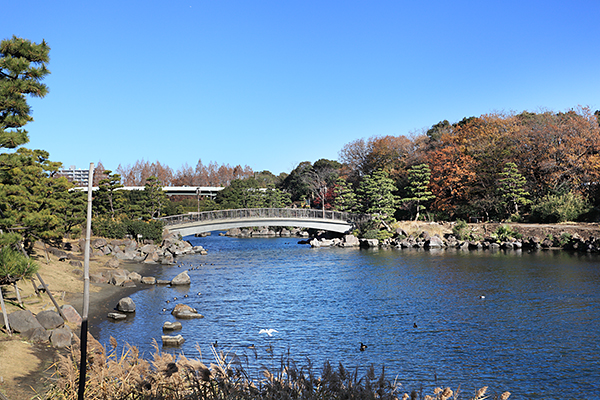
column 223, row 225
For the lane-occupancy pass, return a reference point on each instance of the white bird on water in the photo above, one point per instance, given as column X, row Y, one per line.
column 267, row 331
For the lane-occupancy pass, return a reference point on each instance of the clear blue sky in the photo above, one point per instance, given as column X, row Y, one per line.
column 270, row 84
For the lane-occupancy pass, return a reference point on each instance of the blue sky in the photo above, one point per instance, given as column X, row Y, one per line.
column 270, row 84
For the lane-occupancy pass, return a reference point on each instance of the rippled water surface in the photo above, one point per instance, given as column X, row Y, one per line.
column 536, row 332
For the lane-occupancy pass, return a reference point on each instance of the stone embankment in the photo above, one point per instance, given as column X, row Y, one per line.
column 558, row 238
column 128, row 250
column 146, row 252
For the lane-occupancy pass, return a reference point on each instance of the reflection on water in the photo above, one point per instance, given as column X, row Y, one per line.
column 421, row 313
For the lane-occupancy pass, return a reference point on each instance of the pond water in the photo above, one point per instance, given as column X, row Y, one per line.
column 517, row 321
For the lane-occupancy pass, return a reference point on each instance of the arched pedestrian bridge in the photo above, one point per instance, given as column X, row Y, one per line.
column 191, row 223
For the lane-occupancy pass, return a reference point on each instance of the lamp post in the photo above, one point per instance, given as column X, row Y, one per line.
column 198, row 196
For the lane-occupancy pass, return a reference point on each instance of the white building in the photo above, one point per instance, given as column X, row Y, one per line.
column 77, row 176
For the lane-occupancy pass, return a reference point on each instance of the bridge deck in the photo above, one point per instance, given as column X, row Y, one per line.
column 207, row 221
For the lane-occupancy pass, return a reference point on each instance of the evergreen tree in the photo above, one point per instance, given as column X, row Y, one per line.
column 418, row 187
column 377, row 195
column 296, row 183
column 15, row 266
column 242, row 193
column 345, row 198
column 72, row 209
column 26, row 193
column 275, row 198
column 108, row 199
column 155, row 197
column 511, row 188
column 31, row 202
column 22, row 68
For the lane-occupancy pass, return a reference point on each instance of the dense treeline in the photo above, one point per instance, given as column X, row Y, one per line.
column 539, row 158
column 541, row 167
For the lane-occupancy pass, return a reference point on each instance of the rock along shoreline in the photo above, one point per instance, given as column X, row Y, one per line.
column 569, row 237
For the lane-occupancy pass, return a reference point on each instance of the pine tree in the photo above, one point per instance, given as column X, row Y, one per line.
column 22, row 68
column 377, row 196
column 30, row 200
column 108, row 199
column 345, row 198
column 275, row 198
column 418, row 187
column 155, row 197
column 27, row 196
column 511, row 188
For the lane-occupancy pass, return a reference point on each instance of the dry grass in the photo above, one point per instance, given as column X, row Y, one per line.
column 415, row 228
column 126, row 375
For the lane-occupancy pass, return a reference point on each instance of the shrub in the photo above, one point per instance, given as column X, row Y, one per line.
column 371, row 234
column 384, row 234
column 504, row 233
column 379, row 234
column 564, row 238
column 119, row 229
column 515, row 218
column 108, row 228
column 15, row 266
column 560, row 208
column 147, row 229
column 460, row 230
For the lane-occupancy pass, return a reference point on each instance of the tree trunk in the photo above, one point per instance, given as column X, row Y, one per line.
column 4, row 313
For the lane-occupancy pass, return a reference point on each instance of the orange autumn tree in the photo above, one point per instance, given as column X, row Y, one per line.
column 453, row 173
column 560, row 150
column 490, row 141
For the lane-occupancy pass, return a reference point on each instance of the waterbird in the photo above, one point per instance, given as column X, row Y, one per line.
column 362, row 346
column 415, row 325
column 185, row 295
column 215, row 344
column 251, row 347
column 482, row 297
column 270, row 349
column 267, row 331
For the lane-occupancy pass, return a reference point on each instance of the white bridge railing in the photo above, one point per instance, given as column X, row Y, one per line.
column 262, row 213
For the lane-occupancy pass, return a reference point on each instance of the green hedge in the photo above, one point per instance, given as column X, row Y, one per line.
column 120, row 229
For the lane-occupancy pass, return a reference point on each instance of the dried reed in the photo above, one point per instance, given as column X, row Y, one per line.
column 127, row 375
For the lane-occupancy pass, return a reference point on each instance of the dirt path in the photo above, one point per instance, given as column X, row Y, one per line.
column 585, row 230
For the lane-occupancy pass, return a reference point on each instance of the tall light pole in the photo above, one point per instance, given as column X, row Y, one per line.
column 198, row 195
column 86, row 287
